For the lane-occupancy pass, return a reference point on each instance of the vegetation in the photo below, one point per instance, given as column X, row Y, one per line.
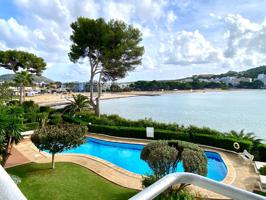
column 78, row 104
column 113, row 48
column 257, row 84
column 5, row 93
column 262, row 170
column 163, row 158
column 57, row 139
column 23, row 64
column 37, row 79
column 10, row 128
column 23, row 79
column 66, row 181
column 117, row 126
column 173, row 85
column 254, row 72
column 20, row 60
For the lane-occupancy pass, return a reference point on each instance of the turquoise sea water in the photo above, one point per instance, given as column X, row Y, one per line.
column 225, row 111
column 127, row 156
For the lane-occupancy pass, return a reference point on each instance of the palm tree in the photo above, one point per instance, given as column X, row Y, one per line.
column 244, row 136
column 11, row 127
column 79, row 103
column 23, row 79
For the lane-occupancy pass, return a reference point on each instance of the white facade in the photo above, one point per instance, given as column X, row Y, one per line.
column 262, row 77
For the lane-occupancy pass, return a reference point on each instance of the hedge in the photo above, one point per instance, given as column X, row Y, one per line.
column 31, row 126
column 261, row 148
column 138, row 132
column 210, row 140
column 221, row 142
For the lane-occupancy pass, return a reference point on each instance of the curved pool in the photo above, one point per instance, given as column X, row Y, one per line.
column 127, row 156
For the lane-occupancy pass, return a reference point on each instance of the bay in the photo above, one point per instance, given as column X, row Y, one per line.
column 224, row 111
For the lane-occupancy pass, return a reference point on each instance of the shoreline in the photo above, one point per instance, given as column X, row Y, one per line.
column 63, row 99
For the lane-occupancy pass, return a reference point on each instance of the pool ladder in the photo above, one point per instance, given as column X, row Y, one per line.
column 226, row 190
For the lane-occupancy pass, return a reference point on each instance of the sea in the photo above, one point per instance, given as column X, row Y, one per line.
column 221, row 110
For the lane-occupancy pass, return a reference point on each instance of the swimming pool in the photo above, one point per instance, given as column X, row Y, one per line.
column 127, row 156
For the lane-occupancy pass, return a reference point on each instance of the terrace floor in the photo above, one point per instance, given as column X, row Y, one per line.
column 240, row 174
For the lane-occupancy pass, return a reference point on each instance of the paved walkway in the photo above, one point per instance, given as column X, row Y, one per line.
column 240, row 174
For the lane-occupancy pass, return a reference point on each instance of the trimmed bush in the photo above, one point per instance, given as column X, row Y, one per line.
column 136, row 132
column 31, row 126
column 261, row 149
column 221, row 142
column 210, row 140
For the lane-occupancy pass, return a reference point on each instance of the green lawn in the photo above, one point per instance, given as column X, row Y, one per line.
column 67, row 181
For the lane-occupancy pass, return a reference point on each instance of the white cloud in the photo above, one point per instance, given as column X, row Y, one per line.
column 149, row 62
column 185, row 48
column 246, row 41
column 121, row 11
column 171, row 17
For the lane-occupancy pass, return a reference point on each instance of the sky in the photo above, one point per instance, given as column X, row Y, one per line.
column 180, row 37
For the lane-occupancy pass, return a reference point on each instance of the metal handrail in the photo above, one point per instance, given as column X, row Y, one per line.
column 226, row 190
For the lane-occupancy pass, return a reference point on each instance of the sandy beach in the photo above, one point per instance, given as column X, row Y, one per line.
column 61, row 99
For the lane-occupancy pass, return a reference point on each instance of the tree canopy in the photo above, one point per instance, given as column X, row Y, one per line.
column 58, row 138
column 16, row 60
column 112, row 48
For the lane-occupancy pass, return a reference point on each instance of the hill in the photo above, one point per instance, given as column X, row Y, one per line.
column 38, row 79
column 250, row 73
column 254, row 72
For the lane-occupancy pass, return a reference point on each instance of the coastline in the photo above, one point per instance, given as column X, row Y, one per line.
column 62, row 99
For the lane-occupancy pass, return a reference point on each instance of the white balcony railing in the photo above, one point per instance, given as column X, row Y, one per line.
column 226, row 190
column 8, row 188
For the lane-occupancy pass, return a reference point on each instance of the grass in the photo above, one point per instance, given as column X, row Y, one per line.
column 66, row 181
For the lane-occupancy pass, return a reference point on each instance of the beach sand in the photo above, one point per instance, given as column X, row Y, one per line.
column 61, row 99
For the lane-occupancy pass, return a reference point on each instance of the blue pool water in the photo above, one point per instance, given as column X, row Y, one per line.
column 127, row 156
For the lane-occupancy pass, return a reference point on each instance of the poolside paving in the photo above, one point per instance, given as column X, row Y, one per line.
column 240, row 174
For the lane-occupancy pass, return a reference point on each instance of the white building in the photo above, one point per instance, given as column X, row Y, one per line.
column 262, row 77
column 230, row 80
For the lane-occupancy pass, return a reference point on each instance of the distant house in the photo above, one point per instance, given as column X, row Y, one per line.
column 262, row 78
column 230, row 80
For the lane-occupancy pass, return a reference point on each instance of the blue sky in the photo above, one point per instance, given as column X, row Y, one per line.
column 181, row 37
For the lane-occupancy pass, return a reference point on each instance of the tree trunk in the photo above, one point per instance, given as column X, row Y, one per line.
column 21, row 94
column 53, row 163
column 97, row 109
column 99, row 93
column 7, row 152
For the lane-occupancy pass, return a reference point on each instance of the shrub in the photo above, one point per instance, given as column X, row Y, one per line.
column 31, row 126
column 136, row 132
column 221, row 142
column 55, row 118
column 161, row 160
column 46, row 109
column 30, row 106
column 262, row 170
column 204, row 130
column 30, row 117
column 13, row 103
column 149, row 180
column 261, row 149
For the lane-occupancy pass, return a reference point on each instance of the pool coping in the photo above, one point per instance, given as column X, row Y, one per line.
column 228, row 179
column 117, row 174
